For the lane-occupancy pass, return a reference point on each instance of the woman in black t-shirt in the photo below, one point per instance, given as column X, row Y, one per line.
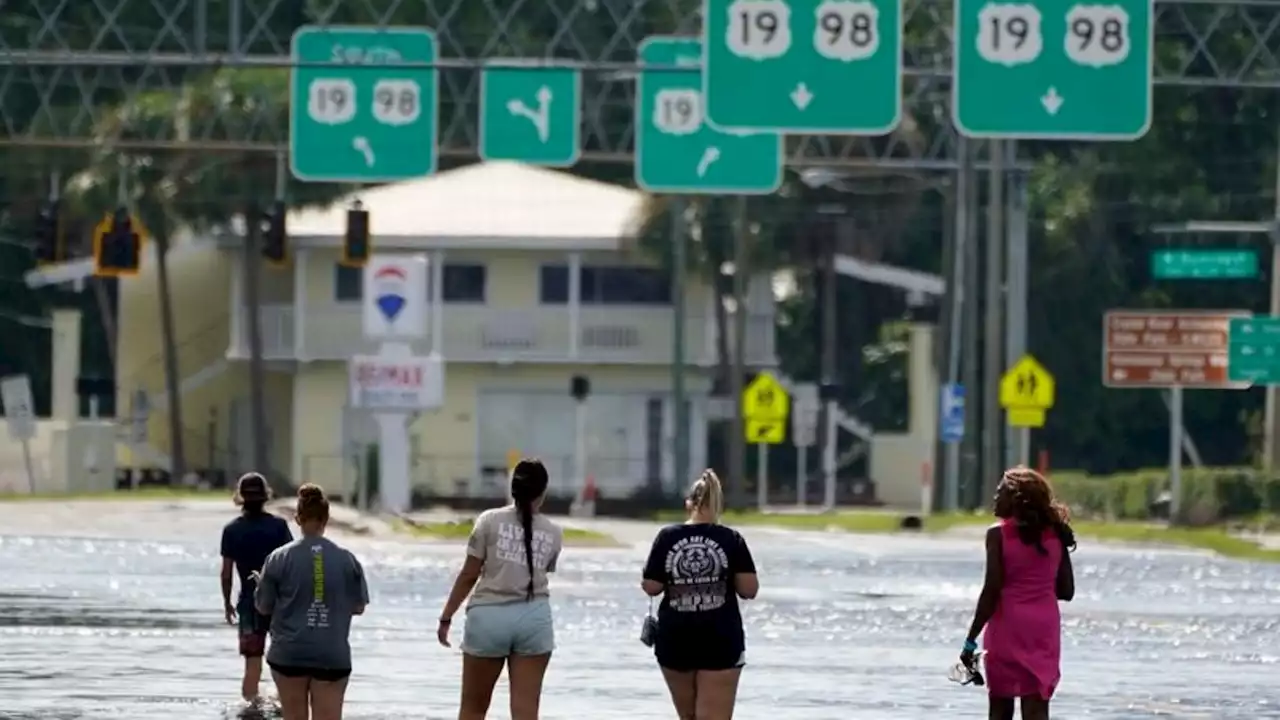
column 701, row 568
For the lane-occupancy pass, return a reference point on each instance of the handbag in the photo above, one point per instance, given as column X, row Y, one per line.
column 649, row 626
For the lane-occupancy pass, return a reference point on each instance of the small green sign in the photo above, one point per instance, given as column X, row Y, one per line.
column 1053, row 70
column 1204, row 264
column 530, row 114
column 1253, row 350
column 358, row 120
column 676, row 150
column 804, row 66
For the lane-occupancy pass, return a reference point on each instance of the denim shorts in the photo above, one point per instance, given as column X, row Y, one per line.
column 514, row 628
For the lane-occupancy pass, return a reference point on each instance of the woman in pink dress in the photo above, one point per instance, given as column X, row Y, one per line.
column 1028, row 572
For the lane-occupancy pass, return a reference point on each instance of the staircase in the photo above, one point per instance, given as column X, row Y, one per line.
column 204, row 349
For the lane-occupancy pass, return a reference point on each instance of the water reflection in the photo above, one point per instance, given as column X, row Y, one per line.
column 101, row 628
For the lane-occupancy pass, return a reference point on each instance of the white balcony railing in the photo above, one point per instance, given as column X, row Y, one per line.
column 478, row 333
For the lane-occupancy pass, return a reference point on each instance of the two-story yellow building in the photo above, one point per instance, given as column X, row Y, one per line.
column 534, row 278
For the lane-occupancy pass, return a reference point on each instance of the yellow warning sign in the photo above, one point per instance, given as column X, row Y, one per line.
column 1027, row 386
column 766, row 400
column 768, row 432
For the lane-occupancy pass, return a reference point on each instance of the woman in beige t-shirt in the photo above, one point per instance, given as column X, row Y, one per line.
column 509, row 554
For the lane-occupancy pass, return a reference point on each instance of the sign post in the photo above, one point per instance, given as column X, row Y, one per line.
column 1173, row 349
column 787, row 66
column 677, row 151
column 531, row 115
column 804, row 434
column 1027, row 391
column 395, row 384
column 1051, row 70
column 765, row 406
column 20, row 415
column 362, row 121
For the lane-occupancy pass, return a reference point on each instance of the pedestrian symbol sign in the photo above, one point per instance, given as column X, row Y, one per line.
column 1026, row 392
column 765, row 400
column 766, row 432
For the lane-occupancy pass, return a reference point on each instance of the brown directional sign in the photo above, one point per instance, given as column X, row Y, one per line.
column 1147, row 348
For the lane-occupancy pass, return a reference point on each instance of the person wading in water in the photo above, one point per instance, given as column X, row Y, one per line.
column 246, row 543
column 1028, row 572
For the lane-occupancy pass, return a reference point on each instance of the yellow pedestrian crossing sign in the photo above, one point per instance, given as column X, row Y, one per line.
column 1027, row 390
column 766, row 400
column 768, row 432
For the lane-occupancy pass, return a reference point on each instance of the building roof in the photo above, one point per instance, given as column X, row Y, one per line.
column 484, row 203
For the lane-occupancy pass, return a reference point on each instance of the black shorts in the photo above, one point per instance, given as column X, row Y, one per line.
column 690, row 658
column 321, row 674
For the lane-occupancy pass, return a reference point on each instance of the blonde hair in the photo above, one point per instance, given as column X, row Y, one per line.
column 706, row 494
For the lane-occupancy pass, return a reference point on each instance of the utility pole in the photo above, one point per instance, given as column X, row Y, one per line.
column 970, row 478
column 993, row 327
column 679, row 403
column 738, row 443
column 1017, row 440
column 956, row 295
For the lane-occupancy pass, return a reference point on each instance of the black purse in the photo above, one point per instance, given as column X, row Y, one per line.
column 649, row 626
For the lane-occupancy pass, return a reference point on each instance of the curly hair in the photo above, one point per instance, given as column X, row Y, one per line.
column 1034, row 508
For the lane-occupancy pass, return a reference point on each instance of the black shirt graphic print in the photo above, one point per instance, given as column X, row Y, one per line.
column 696, row 564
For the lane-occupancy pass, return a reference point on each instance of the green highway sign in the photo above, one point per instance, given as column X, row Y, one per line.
column 1053, row 70
column 676, row 150
column 1204, row 264
column 530, row 114
column 1253, row 350
column 359, row 120
column 804, row 66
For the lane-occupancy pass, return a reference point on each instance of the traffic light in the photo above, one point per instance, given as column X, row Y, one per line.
column 117, row 247
column 275, row 238
column 355, row 248
column 49, row 234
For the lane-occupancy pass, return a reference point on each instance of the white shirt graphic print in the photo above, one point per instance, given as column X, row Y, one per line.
column 699, row 570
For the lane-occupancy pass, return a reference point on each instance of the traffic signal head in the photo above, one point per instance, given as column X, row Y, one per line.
column 275, row 238
column 355, row 248
column 118, row 250
column 48, row 233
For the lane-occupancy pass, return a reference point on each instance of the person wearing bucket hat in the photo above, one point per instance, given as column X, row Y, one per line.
column 246, row 543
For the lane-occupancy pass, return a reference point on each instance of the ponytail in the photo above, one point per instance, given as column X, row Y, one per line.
column 525, row 507
column 707, row 494
column 528, row 484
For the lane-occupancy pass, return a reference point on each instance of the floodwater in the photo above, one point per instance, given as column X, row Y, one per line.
column 115, row 613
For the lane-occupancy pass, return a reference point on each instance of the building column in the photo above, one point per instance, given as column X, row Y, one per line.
column 575, row 303
column 66, row 368
column 437, row 301
column 237, row 305
column 300, row 260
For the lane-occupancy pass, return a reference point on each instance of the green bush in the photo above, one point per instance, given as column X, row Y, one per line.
column 1208, row 494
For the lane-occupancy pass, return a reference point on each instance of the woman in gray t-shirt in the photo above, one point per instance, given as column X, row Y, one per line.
column 311, row 589
column 509, row 553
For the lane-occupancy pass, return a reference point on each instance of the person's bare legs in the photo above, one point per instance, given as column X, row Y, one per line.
column 327, row 699
column 525, row 673
column 684, row 692
column 252, row 678
column 716, row 692
column 295, row 702
column 1000, row 708
column 479, row 675
column 1033, row 708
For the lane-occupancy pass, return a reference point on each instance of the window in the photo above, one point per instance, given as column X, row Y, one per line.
column 625, row 286
column 553, row 283
column 462, row 283
column 605, row 285
column 348, row 283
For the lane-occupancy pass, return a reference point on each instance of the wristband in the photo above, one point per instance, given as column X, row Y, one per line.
column 970, row 646
column 446, row 621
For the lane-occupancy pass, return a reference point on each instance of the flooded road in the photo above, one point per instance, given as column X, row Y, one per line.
column 113, row 611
